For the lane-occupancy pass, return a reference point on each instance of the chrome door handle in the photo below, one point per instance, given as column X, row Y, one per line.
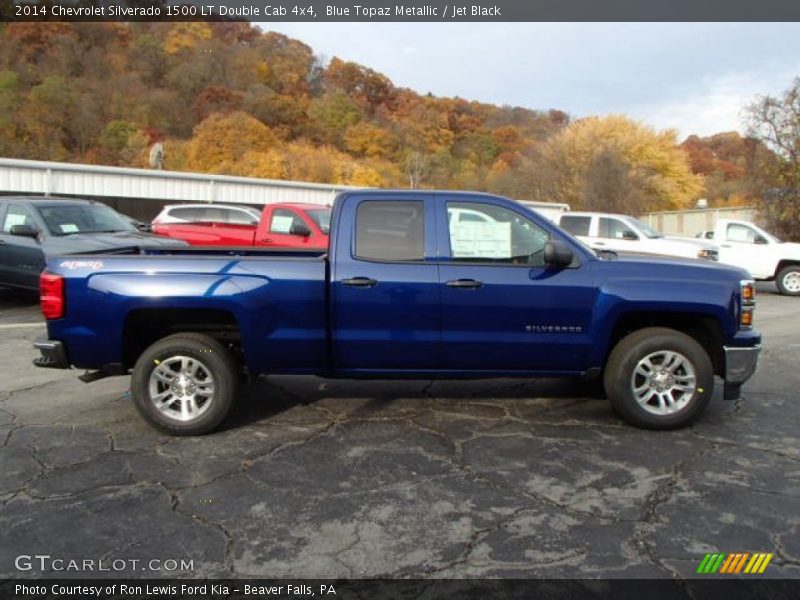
column 464, row 283
column 360, row 281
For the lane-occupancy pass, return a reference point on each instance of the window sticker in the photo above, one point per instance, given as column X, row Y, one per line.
column 481, row 240
column 69, row 228
column 281, row 224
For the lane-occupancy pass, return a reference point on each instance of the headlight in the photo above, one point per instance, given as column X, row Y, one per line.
column 708, row 254
column 747, row 289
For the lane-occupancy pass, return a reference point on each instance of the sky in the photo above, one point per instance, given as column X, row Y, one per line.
column 692, row 77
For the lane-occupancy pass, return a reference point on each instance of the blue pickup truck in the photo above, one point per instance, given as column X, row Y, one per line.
column 414, row 284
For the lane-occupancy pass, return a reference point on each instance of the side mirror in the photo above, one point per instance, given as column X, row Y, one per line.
column 300, row 229
column 25, row 231
column 557, row 254
column 760, row 240
column 629, row 235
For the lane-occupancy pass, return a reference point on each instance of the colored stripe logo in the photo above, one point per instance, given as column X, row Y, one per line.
column 736, row 562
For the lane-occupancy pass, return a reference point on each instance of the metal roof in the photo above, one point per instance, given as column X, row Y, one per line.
column 43, row 178
column 55, row 178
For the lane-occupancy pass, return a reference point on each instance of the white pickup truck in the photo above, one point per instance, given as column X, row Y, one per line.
column 746, row 245
column 621, row 233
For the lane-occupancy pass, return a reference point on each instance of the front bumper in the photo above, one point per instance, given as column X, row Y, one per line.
column 740, row 364
column 54, row 355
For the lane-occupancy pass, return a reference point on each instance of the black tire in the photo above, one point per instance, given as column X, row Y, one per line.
column 644, row 344
column 782, row 280
column 216, row 366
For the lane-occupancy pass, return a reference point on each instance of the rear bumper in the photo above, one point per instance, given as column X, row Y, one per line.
column 53, row 354
column 740, row 364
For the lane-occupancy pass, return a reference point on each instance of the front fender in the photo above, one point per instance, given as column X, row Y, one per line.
column 622, row 298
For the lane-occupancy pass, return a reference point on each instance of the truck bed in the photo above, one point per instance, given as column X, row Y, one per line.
column 271, row 301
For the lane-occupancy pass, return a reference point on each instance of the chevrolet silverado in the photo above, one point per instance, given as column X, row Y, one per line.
column 404, row 290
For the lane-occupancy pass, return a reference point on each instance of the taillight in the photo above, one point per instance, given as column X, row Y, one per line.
column 51, row 295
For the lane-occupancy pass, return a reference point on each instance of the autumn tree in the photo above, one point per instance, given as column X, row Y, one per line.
column 330, row 115
column 636, row 167
column 369, row 139
column 186, row 36
column 121, row 143
column 775, row 121
column 9, row 122
column 221, row 141
column 217, row 99
column 364, row 85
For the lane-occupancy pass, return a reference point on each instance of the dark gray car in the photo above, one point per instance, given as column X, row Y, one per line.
column 32, row 228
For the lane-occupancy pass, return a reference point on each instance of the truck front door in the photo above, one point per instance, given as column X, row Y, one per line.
column 502, row 309
column 743, row 246
column 385, row 285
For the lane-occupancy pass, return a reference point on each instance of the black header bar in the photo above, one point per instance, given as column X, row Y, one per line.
column 445, row 11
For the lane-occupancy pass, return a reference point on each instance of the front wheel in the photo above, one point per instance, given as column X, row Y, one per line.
column 184, row 384
column 788, row 280
column 659, row 378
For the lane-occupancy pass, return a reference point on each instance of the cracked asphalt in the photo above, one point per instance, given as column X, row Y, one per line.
column 323, row 479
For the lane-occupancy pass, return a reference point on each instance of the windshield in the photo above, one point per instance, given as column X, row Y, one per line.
column 322, row 218
column 645, row 228
column 83, row 218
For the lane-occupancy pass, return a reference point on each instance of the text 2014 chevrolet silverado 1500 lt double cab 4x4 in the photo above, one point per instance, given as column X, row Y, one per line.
column 404, row 291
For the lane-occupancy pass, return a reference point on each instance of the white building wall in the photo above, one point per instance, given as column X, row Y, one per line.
column 52, row 178
column 124, row 187
column 688, row 223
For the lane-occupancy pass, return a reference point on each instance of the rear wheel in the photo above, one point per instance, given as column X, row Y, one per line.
column 184, row 384
column 788, row 280
column 659, row 378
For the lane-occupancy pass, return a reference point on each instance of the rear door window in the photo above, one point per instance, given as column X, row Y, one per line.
column 390, row 231
column 185, row 214
column 241, row 217
column 576, row 225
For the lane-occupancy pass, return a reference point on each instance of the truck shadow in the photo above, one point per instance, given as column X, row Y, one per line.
column 266, row 397
column 14, row 298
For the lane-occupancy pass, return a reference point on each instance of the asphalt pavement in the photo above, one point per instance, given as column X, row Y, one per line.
column 323, row 479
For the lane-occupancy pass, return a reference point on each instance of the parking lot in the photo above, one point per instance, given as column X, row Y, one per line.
column 316, row 478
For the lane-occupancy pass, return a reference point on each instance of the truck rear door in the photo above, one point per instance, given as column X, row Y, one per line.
column 385, row 284
column 502, row 309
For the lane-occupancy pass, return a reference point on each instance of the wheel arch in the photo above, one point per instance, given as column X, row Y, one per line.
column 783, row 263
column 705, row 329
column 145, row 326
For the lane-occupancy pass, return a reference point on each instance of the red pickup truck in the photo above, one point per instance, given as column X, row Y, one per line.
column 295, row 225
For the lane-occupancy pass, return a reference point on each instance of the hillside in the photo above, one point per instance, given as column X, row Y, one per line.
column 229, row 98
